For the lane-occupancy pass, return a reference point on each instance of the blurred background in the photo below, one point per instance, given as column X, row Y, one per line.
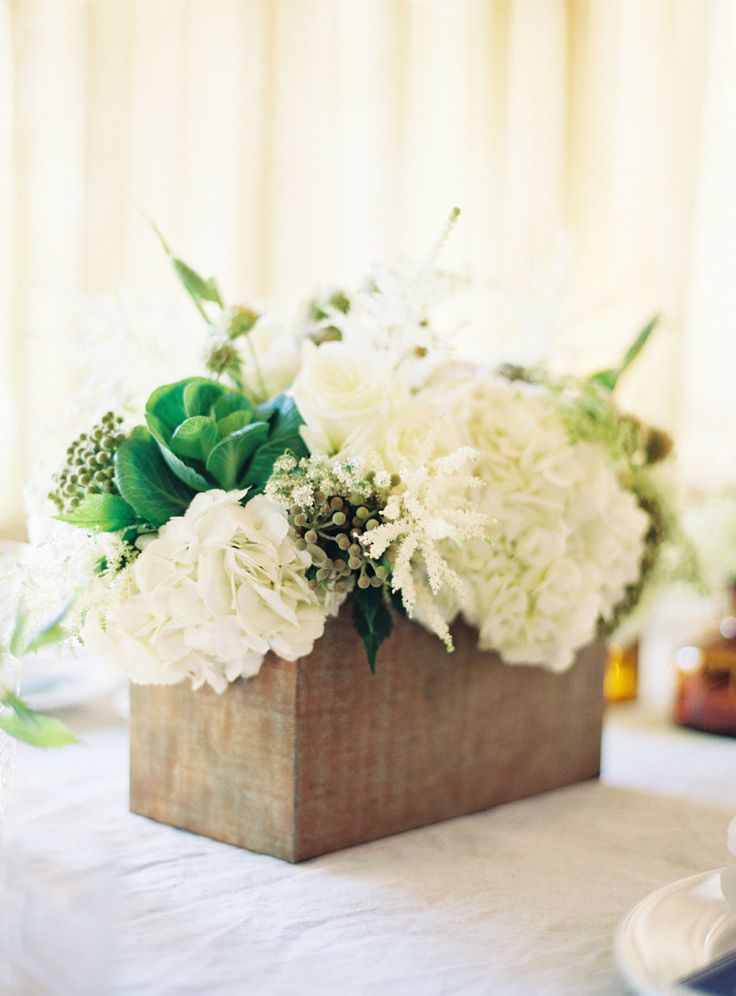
column 282, row 144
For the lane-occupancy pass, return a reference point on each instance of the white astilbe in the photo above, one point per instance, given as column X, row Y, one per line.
column 398, row 315
column 433, row 508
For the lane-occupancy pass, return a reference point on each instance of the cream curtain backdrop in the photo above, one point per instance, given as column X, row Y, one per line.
column 282, row 143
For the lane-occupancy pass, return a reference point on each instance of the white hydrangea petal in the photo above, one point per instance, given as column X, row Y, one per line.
column 219, row 587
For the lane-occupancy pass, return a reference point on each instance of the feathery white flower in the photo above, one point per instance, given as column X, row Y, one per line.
column 432, row 510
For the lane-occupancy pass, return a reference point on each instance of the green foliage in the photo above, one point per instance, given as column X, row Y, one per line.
column 50, row 633
column 590, row 415
column 146, row 482
column 372, row 620
column 284, row 436
column 608, row 379
column 233, row 422
column 33, row 727
column 105, row 512
column 24, row 724
column 195, row 437
column 202, row 290
column 199, row 435
column 232, row 453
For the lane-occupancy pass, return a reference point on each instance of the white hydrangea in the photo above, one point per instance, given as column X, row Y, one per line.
column 566, row 537
column 208, row 598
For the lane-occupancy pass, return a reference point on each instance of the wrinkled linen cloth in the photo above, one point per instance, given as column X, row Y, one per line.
column 522, row 899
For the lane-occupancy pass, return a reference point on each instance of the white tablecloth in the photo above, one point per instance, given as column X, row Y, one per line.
column 521, row 899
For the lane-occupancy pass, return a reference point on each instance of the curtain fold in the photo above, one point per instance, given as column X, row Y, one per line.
column 285, row 143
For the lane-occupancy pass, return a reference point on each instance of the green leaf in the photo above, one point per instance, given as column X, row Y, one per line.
column 198, row 288
column 200, row 395
column 33, row 727
column 267, row 409
column 195, row 437
column 17, row 705
column 175, row 464
column 167, row 404
column 226, row 460
column 51, row 632
column 638, row 344
column 184, row 472
column 233, row 422
column 608, row 379
column 284, row 437
column 372, row 620
column 104, row 512
column 232, row 402
column 146, row 482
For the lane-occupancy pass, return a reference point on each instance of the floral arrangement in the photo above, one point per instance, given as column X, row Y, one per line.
column 353, row 457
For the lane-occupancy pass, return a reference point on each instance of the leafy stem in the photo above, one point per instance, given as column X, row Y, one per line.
column 24, row 723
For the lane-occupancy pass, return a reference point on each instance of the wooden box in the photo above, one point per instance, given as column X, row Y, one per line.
column 312, row 756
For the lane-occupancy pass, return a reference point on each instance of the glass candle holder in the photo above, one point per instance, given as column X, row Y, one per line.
column 621, row 680
column 706, row 679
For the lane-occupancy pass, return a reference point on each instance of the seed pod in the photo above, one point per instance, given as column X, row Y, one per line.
column 317, row 554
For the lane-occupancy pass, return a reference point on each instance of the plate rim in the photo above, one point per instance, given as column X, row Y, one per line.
column 633, row 979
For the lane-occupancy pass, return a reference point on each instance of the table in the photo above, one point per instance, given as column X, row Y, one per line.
column 521, row 899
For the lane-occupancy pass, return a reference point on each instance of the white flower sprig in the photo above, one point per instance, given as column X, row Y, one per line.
column 432, row 508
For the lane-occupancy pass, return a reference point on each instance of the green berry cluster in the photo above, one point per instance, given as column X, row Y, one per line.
column 89, row 464
column 330, row 532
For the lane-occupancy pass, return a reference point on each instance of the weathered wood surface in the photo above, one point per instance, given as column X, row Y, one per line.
column 316, row 755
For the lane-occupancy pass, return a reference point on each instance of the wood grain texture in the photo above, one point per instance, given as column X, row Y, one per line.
column 316, row 755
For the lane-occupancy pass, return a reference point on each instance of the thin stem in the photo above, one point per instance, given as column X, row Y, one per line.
column 259, row 373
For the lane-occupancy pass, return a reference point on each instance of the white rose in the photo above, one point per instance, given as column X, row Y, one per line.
column 338, row 389
column 411, row 431
column 208, row 598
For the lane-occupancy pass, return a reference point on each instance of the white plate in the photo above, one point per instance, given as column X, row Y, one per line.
column 674, row 932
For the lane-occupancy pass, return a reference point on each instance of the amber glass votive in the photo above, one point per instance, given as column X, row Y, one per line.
column 706, row 683
column 621, row 680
